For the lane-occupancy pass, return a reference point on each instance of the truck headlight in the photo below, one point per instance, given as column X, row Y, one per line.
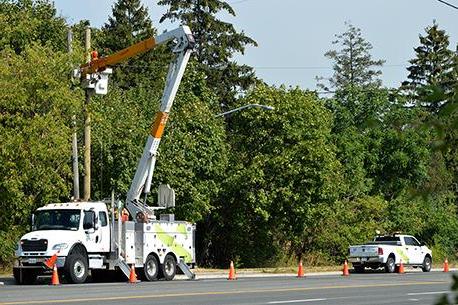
column 61, row 246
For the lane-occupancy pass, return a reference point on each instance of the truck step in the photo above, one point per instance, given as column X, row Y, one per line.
column 186, row 270
column 124, row 267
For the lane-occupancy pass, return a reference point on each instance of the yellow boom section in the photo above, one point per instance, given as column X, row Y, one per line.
column 99, row 64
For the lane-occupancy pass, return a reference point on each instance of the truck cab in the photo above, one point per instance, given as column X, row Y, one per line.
column 72, row 231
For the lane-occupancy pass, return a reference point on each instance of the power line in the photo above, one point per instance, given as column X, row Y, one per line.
column 314, row 67
column 446, row 3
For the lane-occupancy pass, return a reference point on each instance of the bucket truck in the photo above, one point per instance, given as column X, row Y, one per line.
column 86, row 237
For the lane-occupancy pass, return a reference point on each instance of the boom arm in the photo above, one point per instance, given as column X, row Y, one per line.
column 143, row 175
column 183, row 45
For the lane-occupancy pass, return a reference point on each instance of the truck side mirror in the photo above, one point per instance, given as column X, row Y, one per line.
column 32, row 222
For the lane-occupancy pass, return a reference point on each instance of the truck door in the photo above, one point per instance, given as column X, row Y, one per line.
column 90, row 231
column 413, row 250
column 104, row 236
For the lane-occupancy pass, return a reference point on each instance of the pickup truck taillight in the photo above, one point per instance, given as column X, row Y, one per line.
column 380, row 251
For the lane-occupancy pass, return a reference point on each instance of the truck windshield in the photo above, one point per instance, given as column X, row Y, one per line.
column 57, row 220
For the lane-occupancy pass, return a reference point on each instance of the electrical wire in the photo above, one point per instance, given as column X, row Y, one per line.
column 313, row 67
column 446, row 3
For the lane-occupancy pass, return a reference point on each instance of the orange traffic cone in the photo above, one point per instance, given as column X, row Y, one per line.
column 231, row 272
column 55, row 276
column 446, row 269
column 345, row 271
column 50, row 262
column 300, row 270
column 401, row 267
column 132, row 276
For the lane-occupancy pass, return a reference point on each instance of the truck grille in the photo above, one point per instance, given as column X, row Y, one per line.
column 34, row 245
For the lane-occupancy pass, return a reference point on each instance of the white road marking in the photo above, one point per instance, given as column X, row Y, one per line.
column 414, row 300
column 296, row 301
column 432, row 292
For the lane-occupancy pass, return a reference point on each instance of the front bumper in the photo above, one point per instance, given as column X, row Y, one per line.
column 37, row 262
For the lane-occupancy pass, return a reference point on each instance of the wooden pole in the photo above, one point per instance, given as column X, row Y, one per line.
column 87, row 127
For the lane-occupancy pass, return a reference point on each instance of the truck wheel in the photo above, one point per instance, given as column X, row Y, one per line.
column 151, row 268
column 169, row 268
column 390, row 265
column 76, row 268
column 426, row 264
column 28, row 277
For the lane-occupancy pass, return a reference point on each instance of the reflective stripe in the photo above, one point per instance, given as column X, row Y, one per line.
column 159, row 124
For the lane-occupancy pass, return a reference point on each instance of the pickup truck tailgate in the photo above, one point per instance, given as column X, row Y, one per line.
column 364, row 251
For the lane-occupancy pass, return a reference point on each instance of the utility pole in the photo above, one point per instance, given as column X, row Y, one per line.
column 87, row 127
column 76, row 178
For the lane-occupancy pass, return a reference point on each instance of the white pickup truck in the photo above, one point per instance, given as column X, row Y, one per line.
column 387, row 251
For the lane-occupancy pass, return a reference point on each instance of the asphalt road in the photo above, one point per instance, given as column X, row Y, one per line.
column 373, row 288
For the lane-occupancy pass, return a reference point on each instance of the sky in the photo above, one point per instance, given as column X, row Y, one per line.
column 293, row 35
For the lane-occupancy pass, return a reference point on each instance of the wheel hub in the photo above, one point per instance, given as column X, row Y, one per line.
column 78, row 269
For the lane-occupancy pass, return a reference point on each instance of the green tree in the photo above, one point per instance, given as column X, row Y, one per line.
column 432, row 69
column 216, row 43
column 35, row 110
column 26, row 21
column 128, row 25
column 352, row 62
column 282, row 174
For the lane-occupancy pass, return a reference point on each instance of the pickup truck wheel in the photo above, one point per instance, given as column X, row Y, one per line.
column 151, row 268
column 169, row 268
column 76, row 268
column 28, row 277
column 390, row 265
column 426, row 264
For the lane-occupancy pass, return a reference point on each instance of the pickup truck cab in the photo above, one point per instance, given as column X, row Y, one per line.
column 387, row 251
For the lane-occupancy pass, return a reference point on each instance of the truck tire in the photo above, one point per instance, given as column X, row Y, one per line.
column 426, row 267
column 28, row 276
column 390, row 266
column 151, row 268
column 169, row 268
column 76, row 268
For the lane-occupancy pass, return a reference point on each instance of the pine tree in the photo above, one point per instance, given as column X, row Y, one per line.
column 431, row 70
column 130, row 24
column 216, row 43
column 353, row 64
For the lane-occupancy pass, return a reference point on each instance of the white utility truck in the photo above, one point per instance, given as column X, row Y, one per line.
column 387, row 251
column 95, row 237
